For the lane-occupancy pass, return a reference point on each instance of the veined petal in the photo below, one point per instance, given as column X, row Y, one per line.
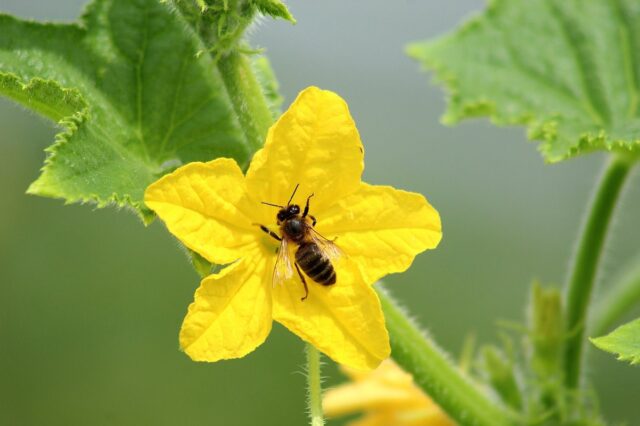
column 207, row 207
column 382, row 228
column 315, row 144
column 231, row 314
column 343, row 320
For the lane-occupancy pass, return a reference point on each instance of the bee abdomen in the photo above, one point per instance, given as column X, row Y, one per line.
column 315, row 264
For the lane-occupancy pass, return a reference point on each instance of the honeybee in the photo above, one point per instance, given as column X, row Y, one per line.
column 314, row 253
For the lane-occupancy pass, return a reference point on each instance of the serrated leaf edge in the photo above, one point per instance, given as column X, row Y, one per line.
column 543, row 131
column 598, row 342
column 70, row 125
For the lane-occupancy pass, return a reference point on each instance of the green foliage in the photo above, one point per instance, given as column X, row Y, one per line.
column 547, row 332
column 267, row 80
column 436, row 374
column 622, row 295
column 221, row 23
column 202, row 266
column 45, row 97
column 567, row 69
column 624, row 341
column 545, row 347
column 501, row 375
column 134, row 95
column 274, row 8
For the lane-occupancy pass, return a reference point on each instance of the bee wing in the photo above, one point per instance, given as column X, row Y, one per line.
column 327, row 246
column 283, row 268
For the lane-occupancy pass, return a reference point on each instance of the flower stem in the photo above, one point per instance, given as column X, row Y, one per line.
column 248, row 99
column 434, row 372
column 585, row 265
column 623, row 296
column 314, row 386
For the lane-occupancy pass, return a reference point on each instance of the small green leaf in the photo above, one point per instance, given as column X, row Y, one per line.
column 569, row 70
column 624, row 341
column 202, row 266
column 500, row 373
column 275, row 9
column 43, row 96
column 547, row 326
column 221, row 23
column 544, row 348
column 134, row 94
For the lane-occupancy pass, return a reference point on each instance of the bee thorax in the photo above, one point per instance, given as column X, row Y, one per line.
column 294, row 228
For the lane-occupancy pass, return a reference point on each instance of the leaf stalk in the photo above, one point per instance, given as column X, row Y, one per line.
column 583, row 272
column 248, row 99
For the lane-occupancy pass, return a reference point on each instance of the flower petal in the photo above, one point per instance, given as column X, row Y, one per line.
column 431, row 416
column 375, row 419
column 382, row 228
column 231, row 314
column 388, row 373
column 316, row 144
column 343, row 320
column 355, row 397
column 206, row 206
column 386, row 387
column 388, row 396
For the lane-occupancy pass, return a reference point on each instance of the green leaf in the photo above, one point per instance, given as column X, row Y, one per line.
column 500, row 374
column 134, row 95
column 569, row 70
column 275, row 9
column 623, row 341
column 42, row 96
column 547, row 338
column 202, row 266
column 221, row 23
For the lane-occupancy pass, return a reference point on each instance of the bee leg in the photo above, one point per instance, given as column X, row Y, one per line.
column 270, row 232
column 304, row 283
column 313, row 223
column 306, row 207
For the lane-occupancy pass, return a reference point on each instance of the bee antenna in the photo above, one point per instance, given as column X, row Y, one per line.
column 294, row 193
column 272, row 205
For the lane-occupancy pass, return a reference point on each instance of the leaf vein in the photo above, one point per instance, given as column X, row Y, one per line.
column 584, row 64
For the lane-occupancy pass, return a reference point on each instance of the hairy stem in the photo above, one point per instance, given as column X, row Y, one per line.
column 314, row 386
column 248, row 99
column 221, row 32
column 583, row 272
column 623, row 296
column 434, row 372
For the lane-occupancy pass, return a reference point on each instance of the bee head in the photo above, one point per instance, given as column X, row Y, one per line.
column 288, row 212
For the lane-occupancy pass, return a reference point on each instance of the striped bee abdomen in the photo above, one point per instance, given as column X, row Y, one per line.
column 315, row 264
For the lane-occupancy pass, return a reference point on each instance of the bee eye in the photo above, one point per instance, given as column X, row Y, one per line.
column 295, row 209
column 280, row 216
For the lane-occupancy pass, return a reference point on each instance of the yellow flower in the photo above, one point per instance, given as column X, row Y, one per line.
column 216, row 211
column 389, row 397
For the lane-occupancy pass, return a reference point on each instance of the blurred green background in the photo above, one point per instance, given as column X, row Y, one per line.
column 91, row 302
